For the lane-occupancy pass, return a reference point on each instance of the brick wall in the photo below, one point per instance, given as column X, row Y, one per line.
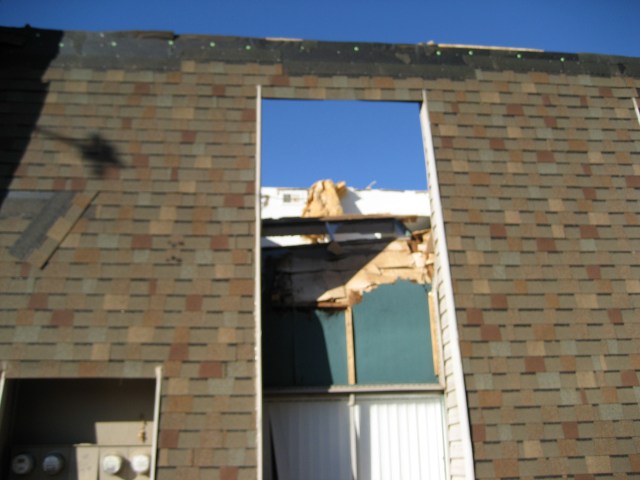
column 152, row 265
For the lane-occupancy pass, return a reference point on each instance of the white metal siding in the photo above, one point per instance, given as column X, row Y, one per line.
column 310, row 439
column 400, row 438
column 460, row 450
column 397, row 437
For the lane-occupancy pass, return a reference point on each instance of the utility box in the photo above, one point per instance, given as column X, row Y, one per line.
column 98, row 429
column 80, row 462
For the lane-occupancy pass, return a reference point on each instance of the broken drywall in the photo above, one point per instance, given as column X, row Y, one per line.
column 316, row 276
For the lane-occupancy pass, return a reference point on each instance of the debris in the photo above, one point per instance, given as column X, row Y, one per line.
column 324, row 199
column 318, row 274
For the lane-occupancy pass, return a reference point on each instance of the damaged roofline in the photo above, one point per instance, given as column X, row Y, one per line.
column 166, row 50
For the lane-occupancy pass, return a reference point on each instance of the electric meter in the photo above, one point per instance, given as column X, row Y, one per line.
column 53, row 464
column 140, row 463
column 22, row 464
column 111, row 464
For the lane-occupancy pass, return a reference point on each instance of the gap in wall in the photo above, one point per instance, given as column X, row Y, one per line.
column 365, row 143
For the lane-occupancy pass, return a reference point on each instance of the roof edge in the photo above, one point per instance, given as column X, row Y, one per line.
column 165, row 50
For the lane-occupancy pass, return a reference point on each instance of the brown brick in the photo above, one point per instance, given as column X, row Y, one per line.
column 62, row 318
column 490, row 332
column 534, row 364
column 498, row 231
column 478, row 432
column 211, row 370
column 593, row 272
column 179, row 351
column 499, row 302
column 496, row 144
column 446, row 142
column 629, row 378
column 552, row 300
column 39, row 301
column 229, row 473
column 589, row 231
column 90, row 369
column 141, row 88
column 589, row 193
column 479, row 178
column 570, row 429
column 87, row 255
column 227, row 335
column 218, row 90
column 188, row 136
column 25, row 269
column 234, row 200
column 633, row 181
column 115, row 302
column 383, row 82
column 280, row 80
column 578, row 146
column 545, row 156
column 179, row 403
column 598, row 463
column 546, row 244
column 241, row 287
column 474, row 316
column 605, row 92
column 506, row 467
column 544, row 332
column 249, row 115
column 193, row 303
column 141, row 242
column 515, row 110
column 615, row 316
column 219, row 242
column 168, row 438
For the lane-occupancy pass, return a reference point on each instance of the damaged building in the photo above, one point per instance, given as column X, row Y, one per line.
column 157, row 321
column 348, row 344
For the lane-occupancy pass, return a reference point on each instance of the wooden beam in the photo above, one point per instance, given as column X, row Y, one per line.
column 351, row 354
column 434, row 334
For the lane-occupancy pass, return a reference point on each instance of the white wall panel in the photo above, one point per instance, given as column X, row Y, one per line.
column 397, row 437
column 400, row 438
column 310, row 439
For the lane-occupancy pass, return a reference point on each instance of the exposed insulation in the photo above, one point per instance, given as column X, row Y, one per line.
column 316, row 276
column 323, row 199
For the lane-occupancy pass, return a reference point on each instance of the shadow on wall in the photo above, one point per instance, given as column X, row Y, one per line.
column 22, row 92
column 28, row 53
column 98, row 153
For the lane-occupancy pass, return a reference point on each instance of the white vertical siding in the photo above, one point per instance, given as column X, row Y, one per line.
column 397, row 437
column 400, row 437
column 459, row 446
column 310, row 439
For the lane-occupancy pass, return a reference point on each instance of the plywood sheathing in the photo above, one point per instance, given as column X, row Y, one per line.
column 315, row 276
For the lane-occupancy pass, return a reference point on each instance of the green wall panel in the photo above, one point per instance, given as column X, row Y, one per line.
column 393, row 335
column 304, row 348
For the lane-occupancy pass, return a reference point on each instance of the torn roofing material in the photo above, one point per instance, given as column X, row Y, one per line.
column 165, row 51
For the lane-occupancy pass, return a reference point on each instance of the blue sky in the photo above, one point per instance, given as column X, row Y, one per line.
column 364, row 143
